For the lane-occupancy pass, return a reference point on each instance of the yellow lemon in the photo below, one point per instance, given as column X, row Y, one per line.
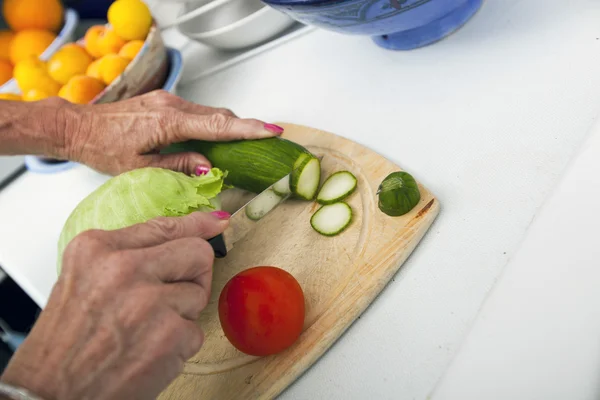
column 131, row 49
column 131, row 19
column 67, row 62
column 111, row 66
column 10, row 96
column 30, row 42
column 33, row 14
column 35, row 95
column 31, row 73
column 81, row 89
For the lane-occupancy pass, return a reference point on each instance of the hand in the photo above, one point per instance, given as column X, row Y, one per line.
column 119, row 323
column 117, row 137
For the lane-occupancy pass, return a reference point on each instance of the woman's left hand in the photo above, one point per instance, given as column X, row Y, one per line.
column 117, row 137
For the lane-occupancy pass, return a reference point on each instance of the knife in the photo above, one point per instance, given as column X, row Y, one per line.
column 245, row 219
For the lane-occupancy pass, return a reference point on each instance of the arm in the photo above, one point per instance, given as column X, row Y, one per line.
column 117, row 137
column 121, row 320
column 35, row 128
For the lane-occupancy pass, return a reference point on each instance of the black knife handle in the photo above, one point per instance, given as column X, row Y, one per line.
column 218, row 245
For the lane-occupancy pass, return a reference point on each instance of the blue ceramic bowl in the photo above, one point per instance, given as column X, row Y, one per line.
column 393, row 24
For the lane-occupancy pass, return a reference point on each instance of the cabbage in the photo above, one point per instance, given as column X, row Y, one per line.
column 140, row 195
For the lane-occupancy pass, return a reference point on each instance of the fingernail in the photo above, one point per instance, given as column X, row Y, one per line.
column 202, row 170
column 274, row 128
column 221, row 214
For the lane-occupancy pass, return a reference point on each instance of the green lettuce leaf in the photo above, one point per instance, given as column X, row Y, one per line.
column 140, row 195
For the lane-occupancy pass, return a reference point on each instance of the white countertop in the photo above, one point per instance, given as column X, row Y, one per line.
column 538, row 335
column 488, row 119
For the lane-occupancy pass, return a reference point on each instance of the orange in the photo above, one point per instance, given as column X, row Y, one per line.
column 31, row 73
column 30, row 42
column 33, row 14
column 10, row 96
column 81, row 89
column 131, row 49
column 6, row 71
column 111, row 66
column 131, row 19
column 6, row 38
column 70, row 60
column 91, row 40
column 35, row 95
column 93, row 69
column 109, row 42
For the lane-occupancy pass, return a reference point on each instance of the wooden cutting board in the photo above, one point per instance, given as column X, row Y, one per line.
column 340, row 275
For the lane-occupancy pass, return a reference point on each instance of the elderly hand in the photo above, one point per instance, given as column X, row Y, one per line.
column 117, row 137
column 119, row 323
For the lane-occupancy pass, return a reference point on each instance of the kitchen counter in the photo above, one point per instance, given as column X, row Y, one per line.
column 488, row 119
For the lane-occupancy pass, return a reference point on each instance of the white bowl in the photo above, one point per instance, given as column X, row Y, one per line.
column 64, row 36
column 233, row 24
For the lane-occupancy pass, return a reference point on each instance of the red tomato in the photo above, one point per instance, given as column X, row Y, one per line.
column 261, row 310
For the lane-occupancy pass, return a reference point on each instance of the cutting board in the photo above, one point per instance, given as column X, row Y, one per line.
column 340, row 275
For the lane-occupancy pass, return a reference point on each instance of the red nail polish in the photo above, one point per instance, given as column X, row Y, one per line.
column 221, row 214
column 202, row 170
column 274, row 128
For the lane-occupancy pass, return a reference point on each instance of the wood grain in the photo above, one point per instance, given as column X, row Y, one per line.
column 340, row 275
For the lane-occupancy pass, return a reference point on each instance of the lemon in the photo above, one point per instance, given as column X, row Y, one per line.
column 130, row 19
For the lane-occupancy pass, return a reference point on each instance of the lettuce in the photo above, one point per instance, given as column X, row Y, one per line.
column 140, row 195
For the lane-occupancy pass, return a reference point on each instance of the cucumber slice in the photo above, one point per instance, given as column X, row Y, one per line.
column 398, row 194
column 262, row 204
column 282, row 187
column 332, row 219
column 306, row 176
column 337, row 187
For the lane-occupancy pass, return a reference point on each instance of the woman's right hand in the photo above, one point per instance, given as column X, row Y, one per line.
column 120, row 321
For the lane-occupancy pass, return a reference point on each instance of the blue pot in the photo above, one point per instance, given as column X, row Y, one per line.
column 393, row 24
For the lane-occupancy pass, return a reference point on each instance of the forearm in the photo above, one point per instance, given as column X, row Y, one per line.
column 36, row 128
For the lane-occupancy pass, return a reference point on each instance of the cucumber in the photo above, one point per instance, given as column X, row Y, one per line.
column 332, row 219
column 262, row 204
column 306, row 176
column 398, row 194
column 252, row 165
column 337, row 187
column 282, row 187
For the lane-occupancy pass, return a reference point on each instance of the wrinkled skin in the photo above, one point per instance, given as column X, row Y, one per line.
column 119, row 323
column 117, row 137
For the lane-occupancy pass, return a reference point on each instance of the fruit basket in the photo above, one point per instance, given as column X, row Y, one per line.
column 117, row 60
column 65, row 35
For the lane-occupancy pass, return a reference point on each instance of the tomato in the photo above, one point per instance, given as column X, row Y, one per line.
column 261, row 310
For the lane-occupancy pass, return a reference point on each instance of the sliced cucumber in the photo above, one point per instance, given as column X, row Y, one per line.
column 306, row 176
column 282, row 187
column 398, row 194
column 337, row 187
column 332, row 219
column 262, row 204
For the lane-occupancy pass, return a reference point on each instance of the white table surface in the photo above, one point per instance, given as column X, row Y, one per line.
column 487, row 119
column 538, row 335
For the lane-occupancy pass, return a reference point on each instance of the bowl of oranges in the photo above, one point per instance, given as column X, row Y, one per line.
column 31, row 27
column 120, row 59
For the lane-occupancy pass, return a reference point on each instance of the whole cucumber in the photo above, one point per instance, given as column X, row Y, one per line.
column 252, row 165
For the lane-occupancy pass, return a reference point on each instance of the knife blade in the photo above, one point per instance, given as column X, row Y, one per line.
column 247, row 217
